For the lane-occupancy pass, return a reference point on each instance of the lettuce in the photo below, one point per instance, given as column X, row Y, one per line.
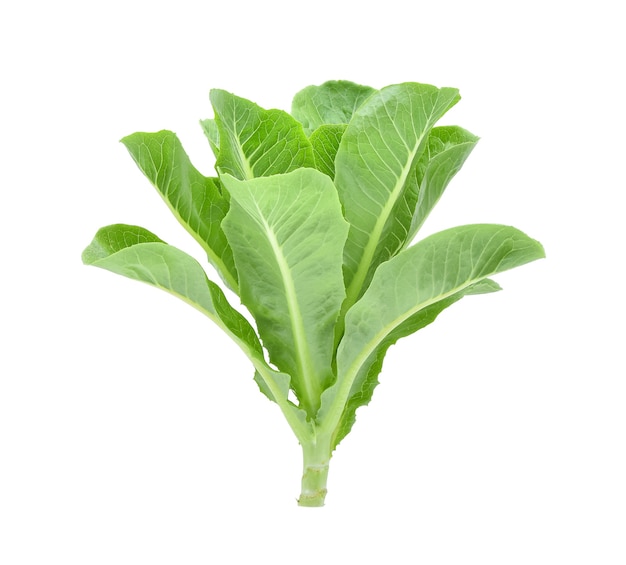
column 310, row 220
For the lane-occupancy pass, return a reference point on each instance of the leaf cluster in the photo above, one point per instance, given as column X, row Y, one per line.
column 310, row 220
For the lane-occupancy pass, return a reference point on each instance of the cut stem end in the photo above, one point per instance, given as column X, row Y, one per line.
column 315, row 474
column 313, row 486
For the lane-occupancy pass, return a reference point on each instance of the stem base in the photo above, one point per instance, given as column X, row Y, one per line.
column 315, row 473
column 313, row 485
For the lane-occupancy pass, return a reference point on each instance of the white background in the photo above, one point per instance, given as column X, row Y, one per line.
column 131, row 431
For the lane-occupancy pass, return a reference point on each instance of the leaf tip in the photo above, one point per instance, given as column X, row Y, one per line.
column 94, row 250
column 541, row 248
column 538, row 250
column 129, row 139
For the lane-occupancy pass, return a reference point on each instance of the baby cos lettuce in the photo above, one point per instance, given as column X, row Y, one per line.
column 310, row 220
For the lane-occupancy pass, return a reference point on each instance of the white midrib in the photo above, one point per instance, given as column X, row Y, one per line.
column 246, row 167
column 352, row 294
column 303, row 355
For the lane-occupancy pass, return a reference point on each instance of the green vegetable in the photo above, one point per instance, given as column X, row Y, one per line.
column 310, row 220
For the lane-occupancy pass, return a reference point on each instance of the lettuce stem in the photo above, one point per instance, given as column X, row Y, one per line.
column 316, row 457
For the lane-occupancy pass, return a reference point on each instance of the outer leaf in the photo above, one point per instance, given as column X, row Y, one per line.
column 445, row 153
column 210, row 129
column 333, row 102
column 325, row 141
column 287, row 234
column 194, row 199
column 136, row 253
column 254, row 142
column 374, row 166
column 406, row 293
column 366, row 381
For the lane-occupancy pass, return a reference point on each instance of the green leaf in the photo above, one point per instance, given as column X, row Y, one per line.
column 287, row 234
column 310, row 222
column 367, row 379
column 254, row 142
column 333, row 102
column 407, row 293
column 194, row 199
column 325, row 141
column 445, row 153
column 210, row 129
column 374, row 167
column 138, row 254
